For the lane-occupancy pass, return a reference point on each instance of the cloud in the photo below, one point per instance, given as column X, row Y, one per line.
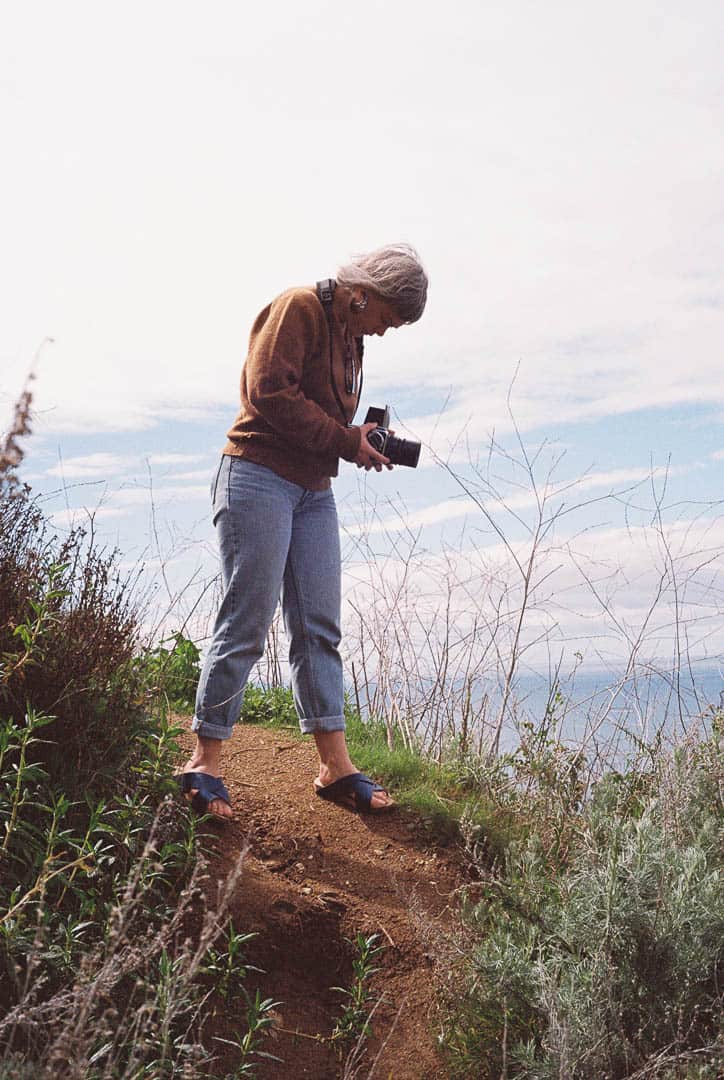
column 175, row 459
column 488, row 391
column 571, row 224
column 610, row 593
column 98, row 466
column 103, row 465
column 614, row 481
column 430, row 515
column 195, row 474
column 160, row 494
column 81, row 516
column 122, row 502
column 559, row 228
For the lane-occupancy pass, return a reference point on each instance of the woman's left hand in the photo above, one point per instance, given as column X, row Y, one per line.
column 367, row 457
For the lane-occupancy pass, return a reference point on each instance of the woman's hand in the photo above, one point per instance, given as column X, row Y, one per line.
column 367, row 457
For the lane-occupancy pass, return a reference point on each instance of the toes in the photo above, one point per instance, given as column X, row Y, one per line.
column 217, row 807
column 380, row 799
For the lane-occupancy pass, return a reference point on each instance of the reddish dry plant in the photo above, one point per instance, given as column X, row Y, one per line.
column 12, row 452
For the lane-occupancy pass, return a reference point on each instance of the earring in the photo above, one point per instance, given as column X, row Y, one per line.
column 360, row 305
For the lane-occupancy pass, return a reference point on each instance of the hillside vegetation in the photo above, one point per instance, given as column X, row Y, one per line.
column 109, row 962
column 593, row 922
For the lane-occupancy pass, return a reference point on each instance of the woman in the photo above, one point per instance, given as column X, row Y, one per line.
column 275, row 515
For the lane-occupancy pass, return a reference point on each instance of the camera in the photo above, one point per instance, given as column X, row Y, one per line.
column 399, row 451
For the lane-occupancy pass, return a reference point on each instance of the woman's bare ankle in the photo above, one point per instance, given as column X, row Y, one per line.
column 334, row 759
column 206, row 755
column 334, row 769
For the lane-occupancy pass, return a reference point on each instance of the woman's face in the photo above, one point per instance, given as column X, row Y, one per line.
column 376, row 318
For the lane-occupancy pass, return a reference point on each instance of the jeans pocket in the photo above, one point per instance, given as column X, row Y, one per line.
column 220, row 487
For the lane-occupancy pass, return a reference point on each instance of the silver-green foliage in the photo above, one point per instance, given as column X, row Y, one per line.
column 610, row 963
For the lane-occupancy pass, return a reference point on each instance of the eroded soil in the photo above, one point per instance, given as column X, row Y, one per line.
column 314, row 876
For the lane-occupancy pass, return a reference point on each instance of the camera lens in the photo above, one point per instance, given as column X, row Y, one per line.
column 402, row 451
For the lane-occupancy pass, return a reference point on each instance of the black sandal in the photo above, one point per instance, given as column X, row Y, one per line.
column 207, row 788
column 354, row 792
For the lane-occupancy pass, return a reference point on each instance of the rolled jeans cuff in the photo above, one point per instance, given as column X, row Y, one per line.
column 210, row 731
column 311, row 725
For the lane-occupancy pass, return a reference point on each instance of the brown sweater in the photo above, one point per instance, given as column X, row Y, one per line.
column 290, row 419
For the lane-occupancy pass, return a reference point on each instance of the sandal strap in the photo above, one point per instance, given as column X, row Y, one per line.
column 207, row 788
column 356, row 784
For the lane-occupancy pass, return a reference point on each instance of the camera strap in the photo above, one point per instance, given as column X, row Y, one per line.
column 325, row 294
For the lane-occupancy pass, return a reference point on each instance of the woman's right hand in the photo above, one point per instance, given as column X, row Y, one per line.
column 367, row 457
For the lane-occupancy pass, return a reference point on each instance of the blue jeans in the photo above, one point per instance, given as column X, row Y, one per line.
column 274, row 536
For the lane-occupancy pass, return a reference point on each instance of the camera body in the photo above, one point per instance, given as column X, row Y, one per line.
column 399, row 451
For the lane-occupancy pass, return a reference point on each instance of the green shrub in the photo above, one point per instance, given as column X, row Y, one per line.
column 68, row 632
column 104, row 941
column 613, row 960
column 274, row 706
column 173, row 673
column 101, row 974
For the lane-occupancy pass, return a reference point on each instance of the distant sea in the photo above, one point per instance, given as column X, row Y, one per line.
column 610, row 706
column 605, row 700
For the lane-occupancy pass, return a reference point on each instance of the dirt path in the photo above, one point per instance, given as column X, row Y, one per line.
column 315, row 876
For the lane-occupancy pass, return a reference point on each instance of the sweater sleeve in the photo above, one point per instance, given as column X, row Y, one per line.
column 283, row 336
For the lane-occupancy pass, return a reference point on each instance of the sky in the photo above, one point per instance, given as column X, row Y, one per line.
column 170, row 167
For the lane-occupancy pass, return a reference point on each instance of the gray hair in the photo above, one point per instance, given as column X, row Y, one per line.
column 395, row 273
